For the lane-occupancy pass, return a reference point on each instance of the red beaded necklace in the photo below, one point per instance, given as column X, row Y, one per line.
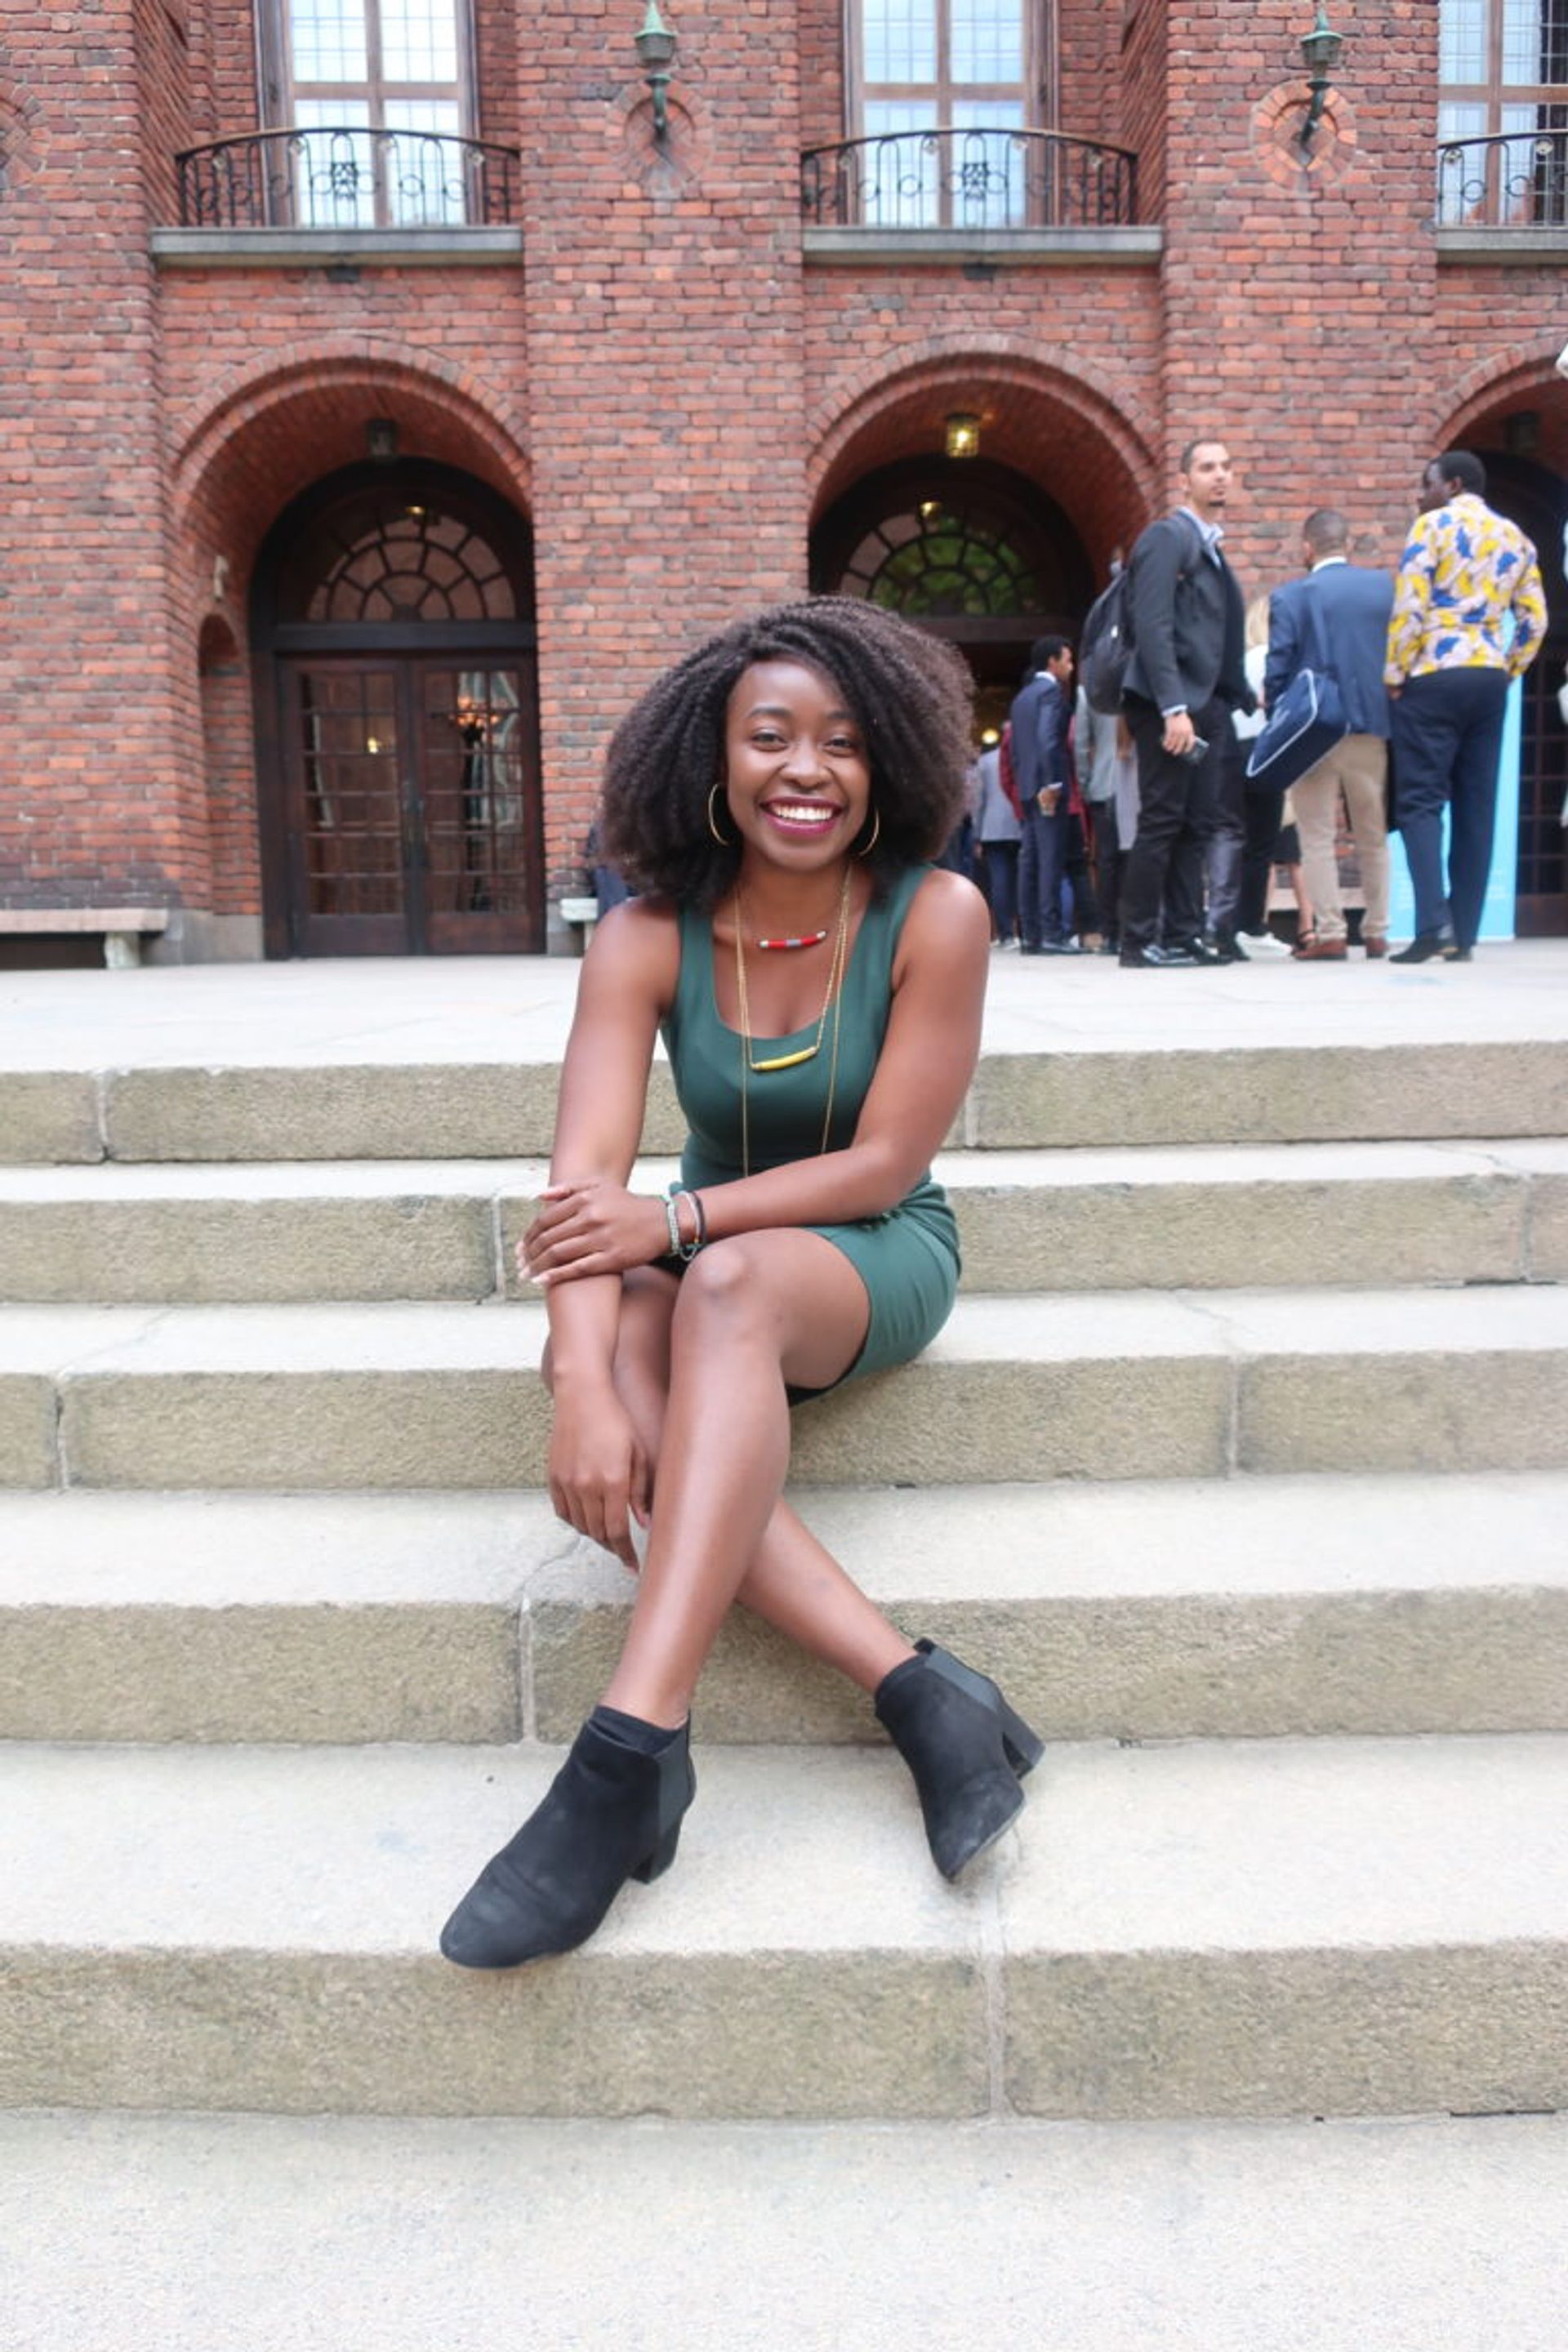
column 806, row 940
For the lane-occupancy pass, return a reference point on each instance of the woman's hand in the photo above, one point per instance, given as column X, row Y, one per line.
column 593, row 1227
column 598, row 1472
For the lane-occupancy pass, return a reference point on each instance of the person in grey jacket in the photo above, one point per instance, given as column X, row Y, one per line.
column 998, row 831
column 1099, row 741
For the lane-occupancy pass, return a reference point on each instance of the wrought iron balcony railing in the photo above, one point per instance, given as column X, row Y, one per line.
column 969, row 180
column 1515, row 179
column 347, row 177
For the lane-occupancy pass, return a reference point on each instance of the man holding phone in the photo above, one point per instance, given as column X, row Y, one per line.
column 1185, row 677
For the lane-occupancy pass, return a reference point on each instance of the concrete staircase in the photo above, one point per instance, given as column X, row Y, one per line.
column 1248, row 1465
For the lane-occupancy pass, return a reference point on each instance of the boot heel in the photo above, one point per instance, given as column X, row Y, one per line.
column 659, row 1860
column 1023, row 1747
column 967, row 1747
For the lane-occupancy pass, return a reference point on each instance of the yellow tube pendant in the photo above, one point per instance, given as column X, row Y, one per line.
column 786, row 1061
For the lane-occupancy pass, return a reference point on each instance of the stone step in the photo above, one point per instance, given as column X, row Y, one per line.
column 1250, row 1929
column 1375, row 1084
column 1190, row 1609
column 1402, row 2234
column 1127, row 1385
column 1294, row 1214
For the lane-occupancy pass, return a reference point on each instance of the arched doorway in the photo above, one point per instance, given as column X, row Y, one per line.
column 1534, row 497
column 397, row 719
column 967, row 548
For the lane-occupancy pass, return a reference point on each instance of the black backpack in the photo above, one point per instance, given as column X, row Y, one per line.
column 1105, row 645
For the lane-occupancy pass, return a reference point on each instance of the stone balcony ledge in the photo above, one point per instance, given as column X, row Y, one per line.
column 1524, row 247
column 335, row 248
column 1026, row 248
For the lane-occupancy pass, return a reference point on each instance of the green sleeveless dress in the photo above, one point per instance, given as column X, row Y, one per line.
column 908, row 1258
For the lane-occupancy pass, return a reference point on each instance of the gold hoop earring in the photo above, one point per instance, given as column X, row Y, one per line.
column 876, row 834
column 722, row 840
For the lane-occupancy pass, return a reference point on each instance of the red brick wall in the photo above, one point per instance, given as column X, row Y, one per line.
column 664, row 360
column 661, row 386
column 824, row 106
column 89, row 804
column 1142, row 125
column 1301, row 304
column 1087, row 69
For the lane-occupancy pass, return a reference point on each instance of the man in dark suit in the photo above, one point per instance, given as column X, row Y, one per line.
column 1040, row 719
column 1185, row 677
column 1337, row 619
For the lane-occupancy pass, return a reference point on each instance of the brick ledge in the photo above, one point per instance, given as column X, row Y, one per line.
column 1504, row 249
column 1014, row 247
column 329, row 248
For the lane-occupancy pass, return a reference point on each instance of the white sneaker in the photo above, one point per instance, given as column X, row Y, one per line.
column 1005, row 947
column 1259, row 946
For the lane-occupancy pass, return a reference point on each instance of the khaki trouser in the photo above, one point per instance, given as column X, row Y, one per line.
column 1357, row 767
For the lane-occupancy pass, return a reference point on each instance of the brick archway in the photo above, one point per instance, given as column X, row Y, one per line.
column 1499, row 385
column 254, row 446
column 1062, row 434
column 1514, row 415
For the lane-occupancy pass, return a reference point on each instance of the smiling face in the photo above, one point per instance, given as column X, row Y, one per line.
column 797, row 778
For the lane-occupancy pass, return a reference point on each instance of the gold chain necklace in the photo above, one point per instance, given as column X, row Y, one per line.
column 831, row 1002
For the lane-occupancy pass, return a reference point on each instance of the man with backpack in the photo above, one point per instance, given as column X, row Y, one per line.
column 1183, row 675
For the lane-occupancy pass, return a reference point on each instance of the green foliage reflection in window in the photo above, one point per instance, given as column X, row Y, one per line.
column 938, row 564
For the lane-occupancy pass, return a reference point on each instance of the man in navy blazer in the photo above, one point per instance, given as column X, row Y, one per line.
column 1337, row 619
column 1041, row 721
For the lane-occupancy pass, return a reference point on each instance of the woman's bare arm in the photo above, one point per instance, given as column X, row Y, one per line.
column 926, row 1063
column 628, row 982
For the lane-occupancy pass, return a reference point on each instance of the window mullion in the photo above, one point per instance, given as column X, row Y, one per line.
column 375, row 84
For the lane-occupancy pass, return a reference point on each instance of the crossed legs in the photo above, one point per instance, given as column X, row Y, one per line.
column 701, row 1367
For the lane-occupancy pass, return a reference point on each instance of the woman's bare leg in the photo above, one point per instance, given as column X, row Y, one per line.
column 753, row 1313
column 794, row 1582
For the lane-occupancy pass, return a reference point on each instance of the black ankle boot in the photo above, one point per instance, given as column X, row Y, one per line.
column 611, row 1814
column 965, row 1746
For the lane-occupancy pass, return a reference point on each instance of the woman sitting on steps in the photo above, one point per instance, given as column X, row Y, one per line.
column 819, row 989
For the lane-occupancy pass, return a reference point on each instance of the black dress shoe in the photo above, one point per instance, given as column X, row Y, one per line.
column 1204, row 952
column 1426, row 945
column 1155, row 958
column 1223, row 948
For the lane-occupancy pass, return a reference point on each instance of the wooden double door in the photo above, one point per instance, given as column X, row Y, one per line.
column 411, row 809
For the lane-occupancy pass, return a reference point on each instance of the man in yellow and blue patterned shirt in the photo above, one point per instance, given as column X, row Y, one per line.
column 1469, row 615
